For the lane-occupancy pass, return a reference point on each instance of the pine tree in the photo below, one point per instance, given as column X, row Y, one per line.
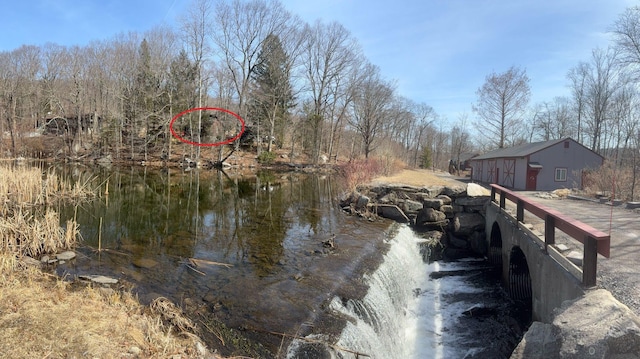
column 144, row 102
column 272, row 97
column 181, row 92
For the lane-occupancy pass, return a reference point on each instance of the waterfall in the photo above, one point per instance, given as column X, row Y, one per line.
column 402, row 314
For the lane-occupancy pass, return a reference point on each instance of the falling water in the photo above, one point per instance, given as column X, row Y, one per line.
column 405, row 314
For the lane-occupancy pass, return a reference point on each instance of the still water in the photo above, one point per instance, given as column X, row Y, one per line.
column 245, row 256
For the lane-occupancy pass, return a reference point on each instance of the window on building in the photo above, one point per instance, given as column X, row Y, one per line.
column 561, row 174
column 566, row 144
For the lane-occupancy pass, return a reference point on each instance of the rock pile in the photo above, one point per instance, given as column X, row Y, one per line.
column 457, row 212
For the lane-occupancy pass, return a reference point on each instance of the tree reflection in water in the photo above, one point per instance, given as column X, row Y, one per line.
column 268, row 226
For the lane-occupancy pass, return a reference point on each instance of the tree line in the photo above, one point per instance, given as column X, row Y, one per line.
column 600, row 111
column 306, row 87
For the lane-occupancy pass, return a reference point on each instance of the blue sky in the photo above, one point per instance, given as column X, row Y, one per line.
column 438, row 51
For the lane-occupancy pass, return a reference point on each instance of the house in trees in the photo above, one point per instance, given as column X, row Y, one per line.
column 541, row 166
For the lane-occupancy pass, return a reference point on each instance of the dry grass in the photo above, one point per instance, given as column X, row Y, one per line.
column 613, row 181
column 25, row 186
column 42, row 317
column 417, row 178
column 26, row 227
column 23, row 234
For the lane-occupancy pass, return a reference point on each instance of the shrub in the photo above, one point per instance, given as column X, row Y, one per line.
column 266, row 157
column 360, row 171
column 612, row 180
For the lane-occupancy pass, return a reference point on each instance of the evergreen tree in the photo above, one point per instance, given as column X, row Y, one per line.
column 182, row 87
column 272, row 97
column 181, row 92
column 143, row 103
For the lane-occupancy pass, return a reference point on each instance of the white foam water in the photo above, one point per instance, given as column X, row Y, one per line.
column 404, row 314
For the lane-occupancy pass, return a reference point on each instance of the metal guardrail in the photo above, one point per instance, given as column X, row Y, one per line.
column 594, row 241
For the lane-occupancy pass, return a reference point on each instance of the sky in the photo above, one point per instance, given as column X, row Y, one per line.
column 438, row 52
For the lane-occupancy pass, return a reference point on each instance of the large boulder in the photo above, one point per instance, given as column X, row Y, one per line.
column 478, row 242
column 472, row 201
column 362, row 202
column 472, row 204
column 428, row 214
column 539, row 342
column 392, row 212
column 595, row 325
column 432, row 191
column 465, row 224
column 445, row 199
column 447, row 209
column 434, row 203
column 410, row 206
column 457, row 242
column 475, row 190
column 455, row 191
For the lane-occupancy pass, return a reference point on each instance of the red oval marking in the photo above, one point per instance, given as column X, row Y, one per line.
column 225, row 142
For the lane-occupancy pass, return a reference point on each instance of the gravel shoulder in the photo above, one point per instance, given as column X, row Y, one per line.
column 619, row 274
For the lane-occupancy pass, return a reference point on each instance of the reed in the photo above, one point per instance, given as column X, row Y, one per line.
column 28, row 227
column 26, row 235
column 24, row 186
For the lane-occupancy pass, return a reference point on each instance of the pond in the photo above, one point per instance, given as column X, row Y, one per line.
column 244, row 255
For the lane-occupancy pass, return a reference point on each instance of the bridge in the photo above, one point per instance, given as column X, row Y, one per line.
column 533, row 270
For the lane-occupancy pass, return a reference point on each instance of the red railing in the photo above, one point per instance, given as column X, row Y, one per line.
column 593, row 240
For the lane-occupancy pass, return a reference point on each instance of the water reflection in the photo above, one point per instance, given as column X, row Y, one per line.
column 256, row 240
column 209, row 215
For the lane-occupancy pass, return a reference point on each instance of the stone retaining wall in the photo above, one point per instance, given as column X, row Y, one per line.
column 455, row 216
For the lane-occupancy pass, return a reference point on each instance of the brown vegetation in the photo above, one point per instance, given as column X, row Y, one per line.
column 360, row 171
column 612, row 180
column 43, row 316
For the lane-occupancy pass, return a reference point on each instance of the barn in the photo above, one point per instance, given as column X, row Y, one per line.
column 539, row 166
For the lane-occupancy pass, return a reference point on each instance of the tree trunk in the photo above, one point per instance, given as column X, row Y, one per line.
column 13, row 126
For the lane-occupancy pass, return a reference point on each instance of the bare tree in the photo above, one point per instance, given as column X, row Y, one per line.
column 425, row 117
column 602, row 81
column 554, row 119
column 626, row 32
column 371, row 106
column 329, row 56
column 196, row 28
column 240, row 31
column 460, row 141
column 578, row 83
column 501, row 102
column 623, row 114
column 19, row 70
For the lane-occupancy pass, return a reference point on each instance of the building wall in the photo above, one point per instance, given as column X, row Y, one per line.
column 574, row 159
column 516, row 179
column 521, row 173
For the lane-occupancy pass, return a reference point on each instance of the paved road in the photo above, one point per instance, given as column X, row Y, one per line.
column 620, row 274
